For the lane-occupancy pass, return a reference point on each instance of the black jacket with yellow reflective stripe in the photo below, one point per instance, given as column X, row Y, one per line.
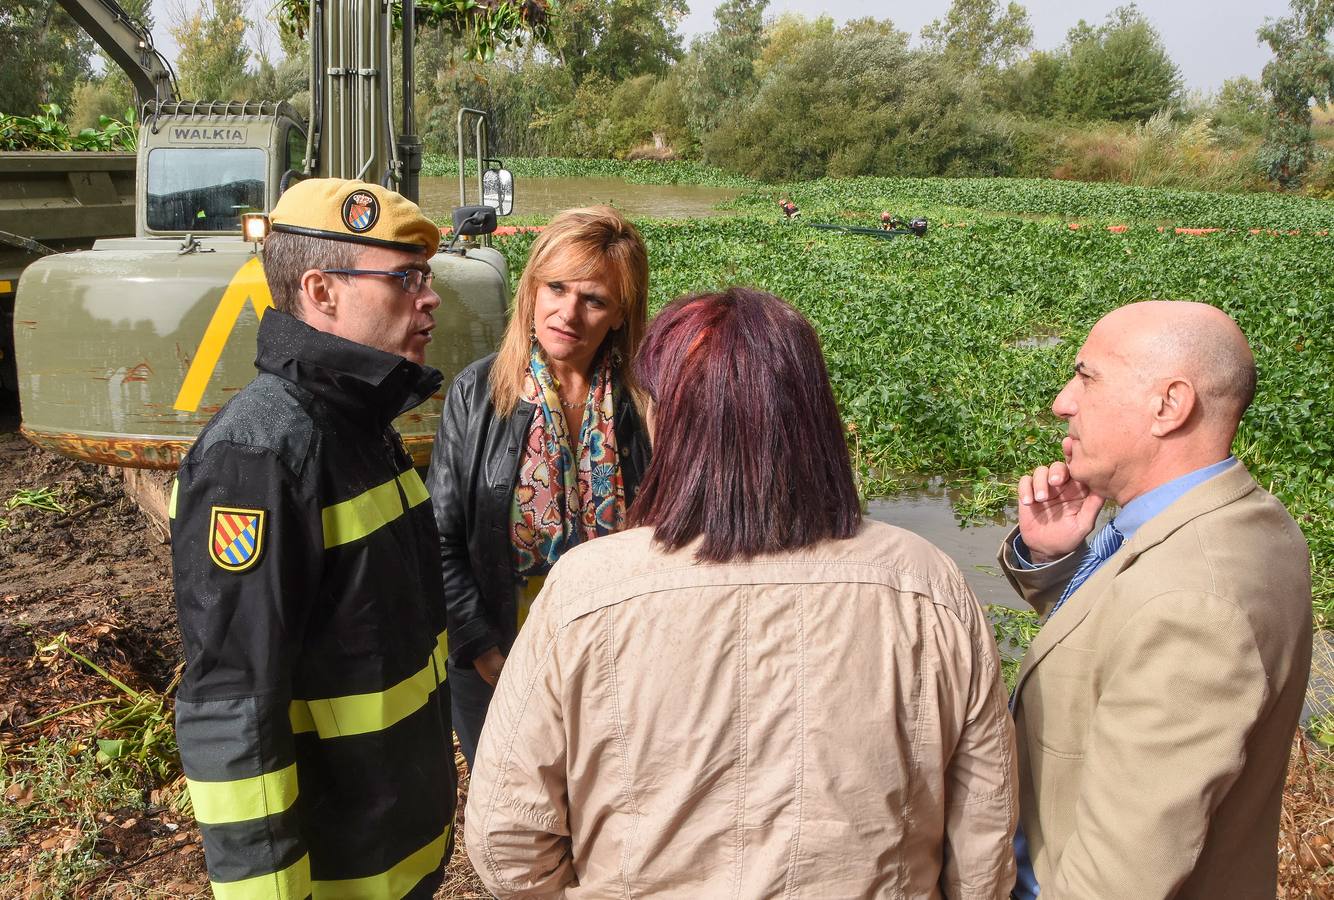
column 312, row 716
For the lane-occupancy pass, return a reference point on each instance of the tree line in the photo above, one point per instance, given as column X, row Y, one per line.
column 786, row 97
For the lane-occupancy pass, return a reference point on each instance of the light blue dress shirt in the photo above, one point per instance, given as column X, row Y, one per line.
column 1128, row 521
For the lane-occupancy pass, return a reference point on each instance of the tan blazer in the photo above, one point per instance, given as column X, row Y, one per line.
column 1156, row 708
column 825, row 724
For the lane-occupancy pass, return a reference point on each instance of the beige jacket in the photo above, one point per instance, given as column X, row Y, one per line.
column 1157, row 707
column 829, row 723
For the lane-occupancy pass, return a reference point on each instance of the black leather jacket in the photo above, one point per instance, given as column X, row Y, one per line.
column 474, row 467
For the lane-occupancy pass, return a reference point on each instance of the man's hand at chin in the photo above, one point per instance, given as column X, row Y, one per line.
column 1056, row 512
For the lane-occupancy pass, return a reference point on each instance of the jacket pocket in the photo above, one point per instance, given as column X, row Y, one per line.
column 1058, row 701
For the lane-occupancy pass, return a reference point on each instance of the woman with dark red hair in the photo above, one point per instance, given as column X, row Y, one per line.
column 756, row 692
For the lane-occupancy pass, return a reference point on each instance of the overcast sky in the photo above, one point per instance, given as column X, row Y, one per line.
column 1211, row 40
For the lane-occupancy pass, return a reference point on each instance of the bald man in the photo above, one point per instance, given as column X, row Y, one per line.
column 1156, row 708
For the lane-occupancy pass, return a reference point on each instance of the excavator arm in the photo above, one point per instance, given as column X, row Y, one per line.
column 128, row 44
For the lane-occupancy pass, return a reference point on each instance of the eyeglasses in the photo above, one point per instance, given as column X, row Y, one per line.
column 414, row 281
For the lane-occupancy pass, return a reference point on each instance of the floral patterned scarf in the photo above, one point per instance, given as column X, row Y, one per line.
column 566, row 493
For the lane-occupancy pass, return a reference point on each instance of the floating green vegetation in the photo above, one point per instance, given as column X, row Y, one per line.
column 1014, row 630
column 946, row 351
column 640, row 171
column 1102, row 203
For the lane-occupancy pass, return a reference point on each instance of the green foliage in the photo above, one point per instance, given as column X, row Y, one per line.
column 136, row 730
column 288, row 79
column 1242, row 105
column 111, row 93
column 515, row 94
column 47, row 131
column 213, row 50
column 982, row 500
column 1119, row 71
column 924, row 338
column 858, row 101
column 480, row 28
column 96, row 98
column 1302, row 70
column 719, row 74
column 585, row 124
column 1321, row 729
column 1029, row 87
column 616, row 39
column 977, row 35
column 1014, row 630
column 642, row 171
column 45, row 55
column 45, row 499
column 1059, row 201
column 60, row 781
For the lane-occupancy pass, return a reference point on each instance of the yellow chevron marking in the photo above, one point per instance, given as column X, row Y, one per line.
column 247, row 284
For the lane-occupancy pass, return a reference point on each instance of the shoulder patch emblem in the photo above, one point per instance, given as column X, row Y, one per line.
column 360, row 211
column 236, row 537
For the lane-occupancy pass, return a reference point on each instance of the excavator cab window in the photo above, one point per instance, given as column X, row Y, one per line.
column 296, row 159
column 204, row 189
column 296, row 149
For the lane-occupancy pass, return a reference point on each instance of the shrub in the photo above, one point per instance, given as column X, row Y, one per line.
column 47, row 131
column 858, row 101
column 1241, row 104
column 1119, row 71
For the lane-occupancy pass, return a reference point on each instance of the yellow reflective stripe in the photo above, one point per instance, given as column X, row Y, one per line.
column 392, row 884
column 220, row 802
column 6, row 287
column 299, row 713
column 171, row 504
column 353, row 519
column 413, row 488
column 292, row 883
column 375, row 711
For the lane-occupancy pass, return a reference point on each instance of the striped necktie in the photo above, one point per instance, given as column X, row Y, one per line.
column 1105, row 543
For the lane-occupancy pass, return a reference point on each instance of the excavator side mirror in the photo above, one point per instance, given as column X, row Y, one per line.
column 471, row 221
column 498, row 190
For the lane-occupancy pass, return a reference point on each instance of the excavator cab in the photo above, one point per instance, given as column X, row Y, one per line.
column 125, row 350
column 204, row 165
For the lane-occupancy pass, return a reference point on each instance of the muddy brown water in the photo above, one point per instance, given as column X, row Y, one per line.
column 926, row 511
column 548, row 196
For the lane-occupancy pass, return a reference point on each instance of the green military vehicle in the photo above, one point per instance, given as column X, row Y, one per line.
column 54, row 203
column 126, row 349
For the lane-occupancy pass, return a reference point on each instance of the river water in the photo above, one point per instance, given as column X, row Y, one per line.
column 548, row 196
column 927, row 512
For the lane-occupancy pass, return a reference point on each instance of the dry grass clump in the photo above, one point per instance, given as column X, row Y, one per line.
column 1306, row 829
column 461, row 882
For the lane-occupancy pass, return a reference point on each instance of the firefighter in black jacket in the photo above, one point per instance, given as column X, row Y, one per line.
column 313, row 718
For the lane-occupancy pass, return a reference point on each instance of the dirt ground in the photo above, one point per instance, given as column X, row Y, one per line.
column 96, row 575
column 93, row 803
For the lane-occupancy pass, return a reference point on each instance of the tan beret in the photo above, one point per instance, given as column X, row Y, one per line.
column 343, row 210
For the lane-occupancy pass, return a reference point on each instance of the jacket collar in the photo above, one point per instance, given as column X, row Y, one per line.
column 367, row 384
column 1227, row 487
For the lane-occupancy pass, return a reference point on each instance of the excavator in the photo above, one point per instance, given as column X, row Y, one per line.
column 125, row 350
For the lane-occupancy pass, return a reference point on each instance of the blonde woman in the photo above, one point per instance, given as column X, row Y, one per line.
column 541, row 446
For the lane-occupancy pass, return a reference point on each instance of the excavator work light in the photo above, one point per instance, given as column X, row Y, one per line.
column 255, row 226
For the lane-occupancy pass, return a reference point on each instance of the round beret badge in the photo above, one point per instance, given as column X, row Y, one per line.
column 360, row 211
